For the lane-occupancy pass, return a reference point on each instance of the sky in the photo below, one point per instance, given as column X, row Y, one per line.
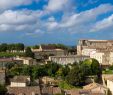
column 55, row 21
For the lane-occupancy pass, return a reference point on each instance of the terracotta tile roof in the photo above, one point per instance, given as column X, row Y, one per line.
column 51, row 90
column 6, row 59
column 72, row 92
column 24, row 90
column 22, row 79
column 92, row 86
column 47, row 47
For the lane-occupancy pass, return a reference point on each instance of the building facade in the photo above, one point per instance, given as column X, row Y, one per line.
column 102, row 50
column 67, row 59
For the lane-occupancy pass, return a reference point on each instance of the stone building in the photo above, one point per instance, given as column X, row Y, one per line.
column 34, row 90
column 20, row 81
column 26, row 60
column 68, row 59
column 48, row 50
column 102, row 50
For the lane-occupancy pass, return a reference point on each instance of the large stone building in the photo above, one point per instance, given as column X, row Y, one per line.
column 102, row 50
column 49, row 50
column 70, row 59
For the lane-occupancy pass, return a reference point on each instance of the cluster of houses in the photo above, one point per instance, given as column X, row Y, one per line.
column 98, row 49
column 20, row 85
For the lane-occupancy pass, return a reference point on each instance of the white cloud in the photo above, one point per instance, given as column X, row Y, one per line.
column 21, row 20
column 30, row 21
column 56, row 5
column 86, row 16
column 19, row 17
column 106, row 23
column 60, row 5
column 8, row 4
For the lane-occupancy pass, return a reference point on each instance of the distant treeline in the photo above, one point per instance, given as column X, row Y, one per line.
column 10, row 47
column 61, row 46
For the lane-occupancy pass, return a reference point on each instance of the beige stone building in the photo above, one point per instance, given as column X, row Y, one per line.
column 48, row 50
column 70, row 59
column 108, row 81
column 20, row 81
column 102, row 50
column 26, row 60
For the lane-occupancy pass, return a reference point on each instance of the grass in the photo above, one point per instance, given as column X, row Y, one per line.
column 7, row 54
column 107, row 71
column 65, row 85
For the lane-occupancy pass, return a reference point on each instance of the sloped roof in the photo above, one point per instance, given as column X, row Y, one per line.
column 92, row 86
column 24, row 90
column 21, row 79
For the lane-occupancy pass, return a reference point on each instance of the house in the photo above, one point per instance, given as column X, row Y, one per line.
column 4, row 61
column 20, row 81
column 26, row 60
column 51, row 91
column 110, row 84
column 35, row 90
column 49, row 81
column 2, row 76
column 47, row 50
column 95, row 88
column 70, row 59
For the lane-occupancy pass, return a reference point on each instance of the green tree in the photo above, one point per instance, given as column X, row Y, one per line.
column 29, row 53
column 95, row 67
column 76, row 76
column 91, row 67
column 3, row 47
column 3, row 90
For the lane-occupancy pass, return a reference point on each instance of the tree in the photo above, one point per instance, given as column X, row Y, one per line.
column 3, row 90
column 19, row 46
column 76, row 76
column 95, row 67
column 91, row 67
column 29, row 53
column 3, row 47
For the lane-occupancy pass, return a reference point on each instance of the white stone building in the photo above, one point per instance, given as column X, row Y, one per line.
column 110, row 84
column 67, row 59
column 20, row 81
column 26, row 60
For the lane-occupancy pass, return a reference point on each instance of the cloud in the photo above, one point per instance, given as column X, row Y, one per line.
column 19, row 17
column 86, row 16
column 31, row 22
column 56, row 5
column 8, row 4
column 105, row 24
column 21, row 20
column 59, row 5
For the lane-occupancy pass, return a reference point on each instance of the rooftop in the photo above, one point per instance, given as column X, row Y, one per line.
column 92, row 86
column 22, row 79
column 24, row 90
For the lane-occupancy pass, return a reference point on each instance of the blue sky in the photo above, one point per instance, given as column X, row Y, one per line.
column 55, row 21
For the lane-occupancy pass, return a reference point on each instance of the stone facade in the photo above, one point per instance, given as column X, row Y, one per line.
column 20, row 81
column 102, row 50
column 67, row 59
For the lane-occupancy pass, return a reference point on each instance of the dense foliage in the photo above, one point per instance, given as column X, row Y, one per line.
column 28, row 52
column 9, row 47
column 3, row 90
column 74, row 74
